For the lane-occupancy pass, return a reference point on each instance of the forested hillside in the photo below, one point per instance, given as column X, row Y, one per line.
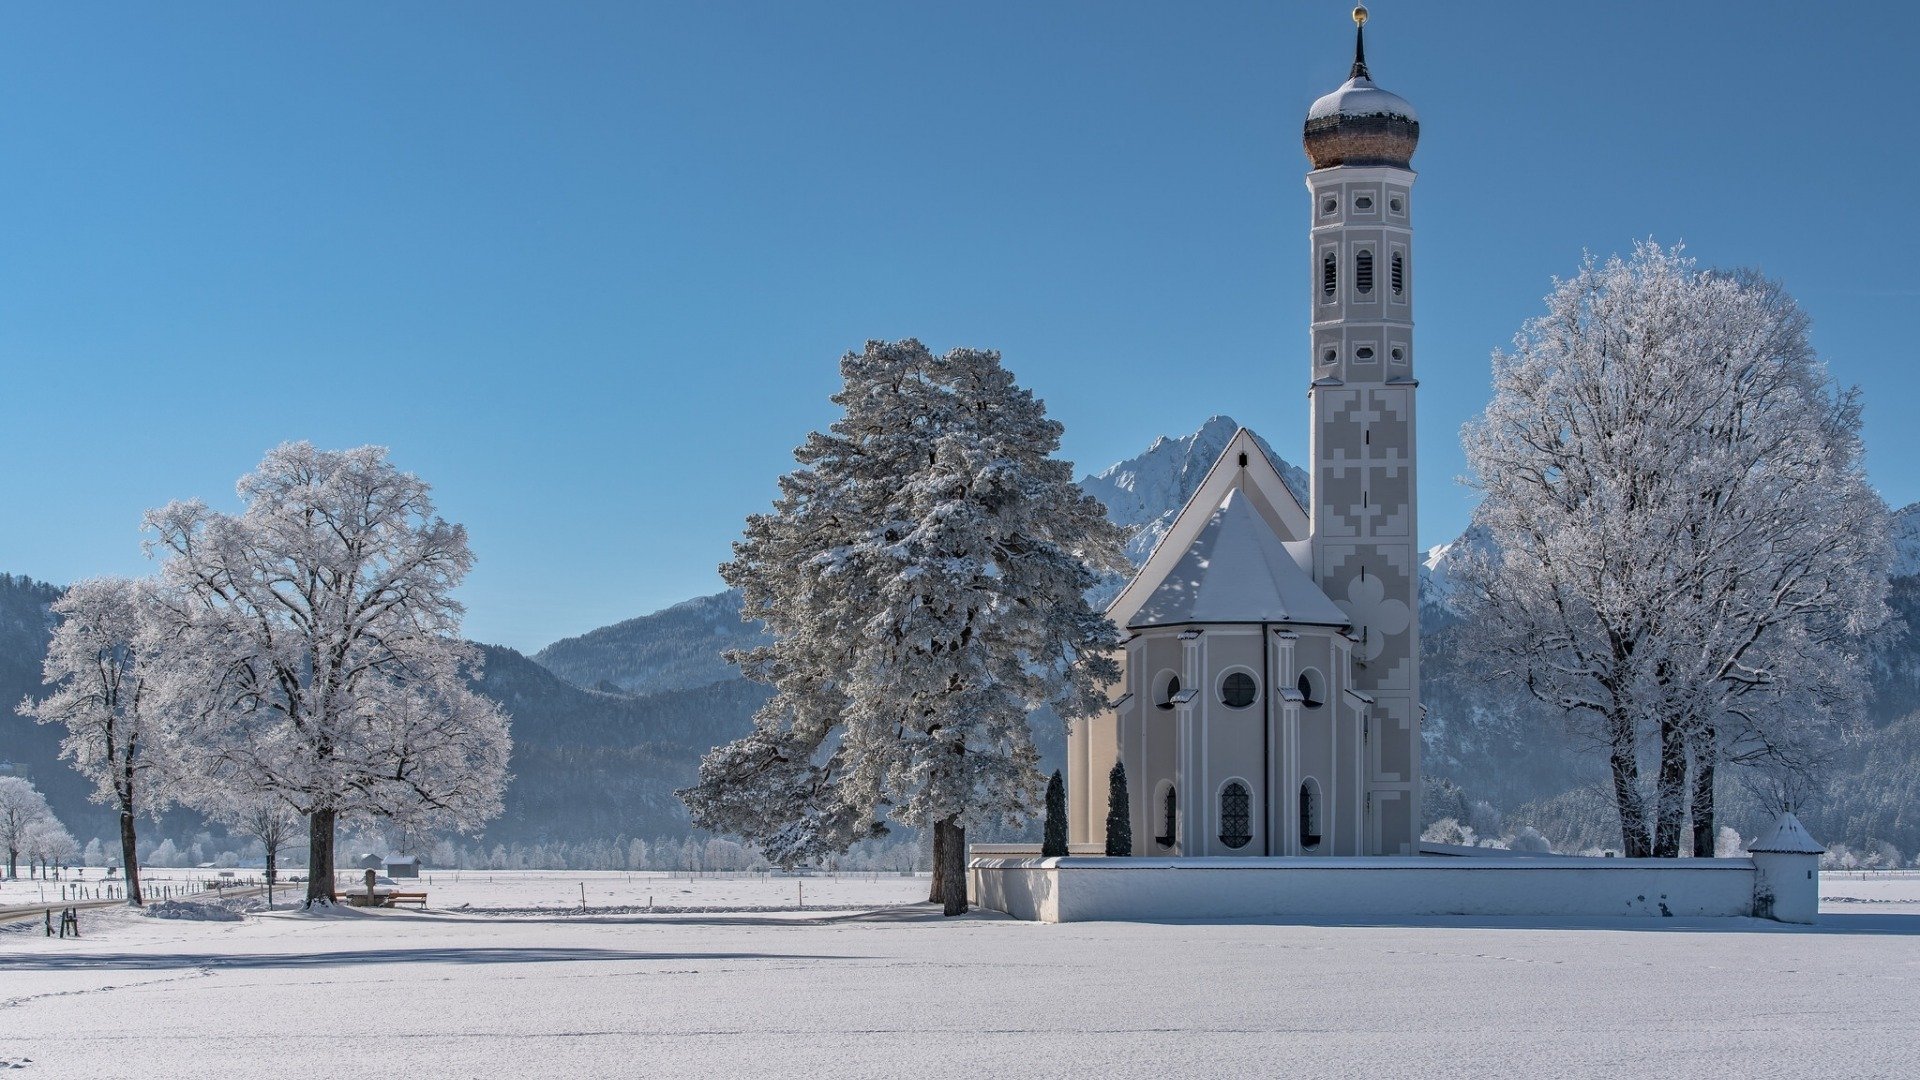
column 675, row 649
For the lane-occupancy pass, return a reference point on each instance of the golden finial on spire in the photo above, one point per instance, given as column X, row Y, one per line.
column 1360, row 15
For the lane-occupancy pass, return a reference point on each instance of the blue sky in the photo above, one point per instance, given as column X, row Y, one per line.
column 588, row 268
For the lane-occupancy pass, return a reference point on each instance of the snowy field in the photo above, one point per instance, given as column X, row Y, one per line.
column 901, row 991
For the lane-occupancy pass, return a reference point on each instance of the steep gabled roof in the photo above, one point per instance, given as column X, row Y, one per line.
column 1244, row 471
column 1237, row 571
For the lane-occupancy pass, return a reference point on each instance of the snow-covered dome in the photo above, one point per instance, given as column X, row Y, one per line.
column 1361, row 124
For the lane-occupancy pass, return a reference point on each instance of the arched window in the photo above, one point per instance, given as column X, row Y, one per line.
column 1329, row 275
column 1236, row 815
column 1399, row 274
column 1310, row 814
column 1169, row 686
column 1170, row 807
column 1238, row 690
column 1363, row 272
column 1312, row 690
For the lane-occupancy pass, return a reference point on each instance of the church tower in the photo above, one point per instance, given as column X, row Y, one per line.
column 1360, row 140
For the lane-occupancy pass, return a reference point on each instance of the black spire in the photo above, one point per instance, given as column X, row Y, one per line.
column 1359, row 44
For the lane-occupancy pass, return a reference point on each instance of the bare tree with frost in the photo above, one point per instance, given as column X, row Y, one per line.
column 262, row 816
column 1687, row 556
column 22, row 809
column 923, row 575
column 100, row 696
column 309, row 649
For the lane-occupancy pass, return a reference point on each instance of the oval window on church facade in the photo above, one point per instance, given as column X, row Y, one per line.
column 1238, row 690
column 1236, row 815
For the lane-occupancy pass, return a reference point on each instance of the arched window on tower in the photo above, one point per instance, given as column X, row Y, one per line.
column 1329, row 275
column 1399, row 274
column 1310, row 814
column 1236, row 815
column 1169, row 808
column 1363, row 272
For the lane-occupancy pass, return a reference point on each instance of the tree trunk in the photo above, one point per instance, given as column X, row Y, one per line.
column 1706, row 752
column 273, row 857
column 130, row 858
column 1671, row 807
column 954, row 857
column 1626, row 791
column 938, row 893
column 13, row 862
column 320, row 857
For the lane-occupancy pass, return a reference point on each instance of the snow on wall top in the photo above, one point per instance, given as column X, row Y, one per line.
column 1237, row 571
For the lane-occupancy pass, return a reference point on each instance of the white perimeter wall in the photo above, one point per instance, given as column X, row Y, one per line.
column 1076, row 889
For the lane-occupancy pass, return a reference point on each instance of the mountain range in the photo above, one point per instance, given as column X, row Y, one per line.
column 607, row 724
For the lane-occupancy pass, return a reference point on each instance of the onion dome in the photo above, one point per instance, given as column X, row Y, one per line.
column 1361, row 124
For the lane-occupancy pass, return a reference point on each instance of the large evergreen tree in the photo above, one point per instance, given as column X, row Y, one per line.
column 923, row 575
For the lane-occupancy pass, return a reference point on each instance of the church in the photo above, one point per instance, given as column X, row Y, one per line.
column 1269, row 703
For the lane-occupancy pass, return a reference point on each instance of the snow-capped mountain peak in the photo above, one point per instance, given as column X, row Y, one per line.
column 1145, row 493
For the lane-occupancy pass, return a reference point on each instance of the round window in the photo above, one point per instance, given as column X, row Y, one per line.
column 1395, row 205
column 1328, row 206
column 1364, row 202
column 1238, row 690
column 1364, row 352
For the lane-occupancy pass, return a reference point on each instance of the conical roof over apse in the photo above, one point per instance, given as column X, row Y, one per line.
column 1237, row 570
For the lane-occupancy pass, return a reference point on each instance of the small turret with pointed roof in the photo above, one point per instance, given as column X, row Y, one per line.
column 1361, row 124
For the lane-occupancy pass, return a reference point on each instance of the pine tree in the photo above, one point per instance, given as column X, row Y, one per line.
column 1119, row 813
column 923, row 576
column 1054, row 843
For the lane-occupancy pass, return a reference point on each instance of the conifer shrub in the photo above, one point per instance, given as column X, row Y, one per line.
column 1119, row 813
column 1054, row 845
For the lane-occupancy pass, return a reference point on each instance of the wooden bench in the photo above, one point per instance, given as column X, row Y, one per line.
column 417, row 899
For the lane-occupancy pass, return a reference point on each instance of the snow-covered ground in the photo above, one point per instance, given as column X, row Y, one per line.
column 904, row 992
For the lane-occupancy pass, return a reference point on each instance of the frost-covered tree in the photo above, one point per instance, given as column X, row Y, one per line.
column 1119, row 813
column 923, row 576
column 1053, row 838
column 114, row 737
column 22, row 809
column 1686, row 555
column 309, row 649
column 48, row 844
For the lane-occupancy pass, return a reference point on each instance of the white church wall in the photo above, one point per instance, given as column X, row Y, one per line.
column 1079, row 889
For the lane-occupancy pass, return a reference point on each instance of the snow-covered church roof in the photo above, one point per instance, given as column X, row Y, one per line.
column 1237, row 570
